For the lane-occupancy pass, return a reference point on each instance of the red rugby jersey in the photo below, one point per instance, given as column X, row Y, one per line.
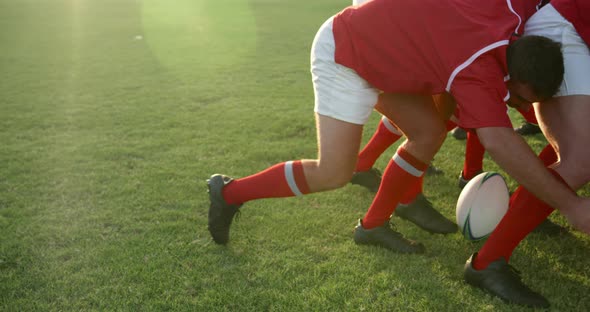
column 433, row 46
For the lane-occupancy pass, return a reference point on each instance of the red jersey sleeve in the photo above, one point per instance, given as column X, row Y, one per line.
column 480, row 92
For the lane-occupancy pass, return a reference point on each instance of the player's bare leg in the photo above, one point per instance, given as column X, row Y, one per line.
column 413, row 206
column 564, row 121
column 430, row 133
column 339, row 93
column 418, row 118
column 338, row 145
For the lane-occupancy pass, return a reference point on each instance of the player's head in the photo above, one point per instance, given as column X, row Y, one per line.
column 537, row 62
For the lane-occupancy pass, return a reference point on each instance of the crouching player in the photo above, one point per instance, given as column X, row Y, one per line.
column 564, row 121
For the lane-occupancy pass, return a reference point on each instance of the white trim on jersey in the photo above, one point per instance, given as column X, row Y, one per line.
column 486, row 49
column 472, row 59
column 389, row 126
column 514, row 12
column 406, row 166
column 506, row 78
column 291, row 178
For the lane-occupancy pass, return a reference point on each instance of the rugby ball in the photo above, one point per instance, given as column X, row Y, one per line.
column 481, row 205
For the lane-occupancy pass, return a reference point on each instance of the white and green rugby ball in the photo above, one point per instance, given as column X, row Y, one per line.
column 481, row 205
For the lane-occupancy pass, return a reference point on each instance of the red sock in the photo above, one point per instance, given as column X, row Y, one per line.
column 474, row 152
column 385, row 135
column 418, row 188
column 281, row 180
column 401, row 173
column 414, row 190
column 548, row 155
column 529, row 116
column 526, row 212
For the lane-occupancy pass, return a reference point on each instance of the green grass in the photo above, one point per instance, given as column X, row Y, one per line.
column 112, row 115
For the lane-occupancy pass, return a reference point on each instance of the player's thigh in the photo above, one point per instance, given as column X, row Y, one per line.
column 415, row 115
column 564, row 119
column 418, row 118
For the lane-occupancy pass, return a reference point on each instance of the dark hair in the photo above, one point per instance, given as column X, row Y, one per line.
column 538, row 62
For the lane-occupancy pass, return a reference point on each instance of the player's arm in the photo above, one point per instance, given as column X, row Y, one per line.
column 514, row 155
column 480, row 93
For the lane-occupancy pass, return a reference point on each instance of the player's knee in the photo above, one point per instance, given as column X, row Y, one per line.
column 340, row 179
column 434, row 135
column 334, row 178
column 576, row 167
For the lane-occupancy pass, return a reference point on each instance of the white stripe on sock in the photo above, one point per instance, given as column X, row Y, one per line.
column 291, row 178
column 406, row 166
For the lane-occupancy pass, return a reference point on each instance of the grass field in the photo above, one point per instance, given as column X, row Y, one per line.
column 114, row 112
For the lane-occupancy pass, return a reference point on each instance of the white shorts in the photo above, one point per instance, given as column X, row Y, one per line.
column 340, row 92
column 549, row 23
